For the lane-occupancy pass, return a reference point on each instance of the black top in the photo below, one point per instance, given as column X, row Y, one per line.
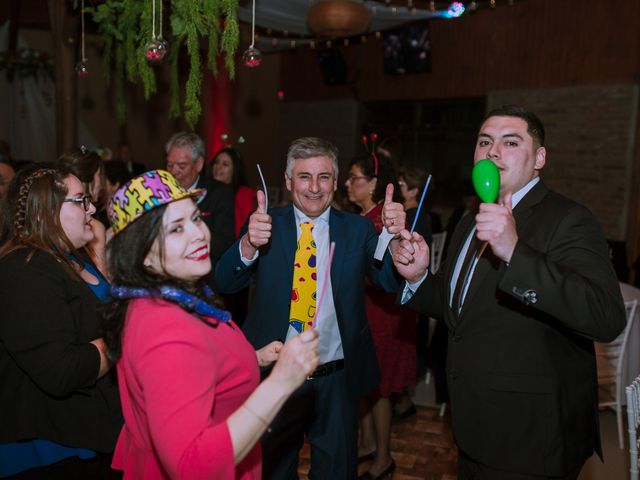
column 48, row 368
column 218, row 213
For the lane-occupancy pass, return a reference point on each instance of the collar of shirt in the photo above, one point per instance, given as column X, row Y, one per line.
column 301, row 217
column 192, row 187
column 519, row 195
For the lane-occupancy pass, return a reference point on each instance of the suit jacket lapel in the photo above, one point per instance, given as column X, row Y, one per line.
column 285, row 232
column 457, row 242
column 523, row 210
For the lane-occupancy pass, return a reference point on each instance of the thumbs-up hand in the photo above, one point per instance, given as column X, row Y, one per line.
column 393, row 216
column 496, row 225
column 259, row 230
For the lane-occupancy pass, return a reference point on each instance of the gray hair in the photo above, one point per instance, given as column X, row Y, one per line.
column 187, row 140
column 309, row 147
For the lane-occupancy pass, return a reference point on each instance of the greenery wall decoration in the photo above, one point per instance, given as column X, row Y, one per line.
column 126, row 27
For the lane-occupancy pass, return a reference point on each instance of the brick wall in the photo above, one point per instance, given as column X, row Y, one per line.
column 590, row 145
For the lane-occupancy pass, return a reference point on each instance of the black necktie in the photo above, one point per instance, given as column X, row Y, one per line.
column 465, row 273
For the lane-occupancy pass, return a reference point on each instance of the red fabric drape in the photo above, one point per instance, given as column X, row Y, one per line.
column 217, row 97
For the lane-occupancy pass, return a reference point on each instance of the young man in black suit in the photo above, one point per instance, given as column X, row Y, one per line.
column 540, row 289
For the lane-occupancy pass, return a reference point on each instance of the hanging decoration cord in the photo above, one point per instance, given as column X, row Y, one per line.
column 160, row 21
column 153, row 19
column 253, row 24
column 84, row 58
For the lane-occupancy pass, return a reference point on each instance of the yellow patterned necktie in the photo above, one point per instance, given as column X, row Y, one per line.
column 303, row 292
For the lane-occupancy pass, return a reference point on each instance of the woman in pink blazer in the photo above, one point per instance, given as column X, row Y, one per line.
column 189, row 380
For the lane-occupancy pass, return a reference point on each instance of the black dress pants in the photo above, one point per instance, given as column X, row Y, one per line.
column 321, row 410
column 469, row 469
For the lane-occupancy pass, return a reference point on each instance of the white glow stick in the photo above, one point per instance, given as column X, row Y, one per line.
column 264, row 186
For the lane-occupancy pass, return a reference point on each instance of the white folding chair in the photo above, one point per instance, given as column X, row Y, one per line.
column 633, row 417
column 611, row 359
column 437, row 247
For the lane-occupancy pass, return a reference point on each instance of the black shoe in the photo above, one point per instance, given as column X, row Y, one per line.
column 387, row 472
column 409, row 412
column 367, row 456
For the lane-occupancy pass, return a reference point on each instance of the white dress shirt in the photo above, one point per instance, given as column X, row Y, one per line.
column 327, row 321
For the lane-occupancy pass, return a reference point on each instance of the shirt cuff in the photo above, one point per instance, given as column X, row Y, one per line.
column 411, row 287
column 247, row 261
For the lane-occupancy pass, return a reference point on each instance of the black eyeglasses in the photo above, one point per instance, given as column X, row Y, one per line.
column 85, row 200
column 352, row 178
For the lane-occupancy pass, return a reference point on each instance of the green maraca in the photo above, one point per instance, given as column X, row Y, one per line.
column 486, row 180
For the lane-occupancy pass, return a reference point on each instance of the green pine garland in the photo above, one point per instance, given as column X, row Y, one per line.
column 126, row 27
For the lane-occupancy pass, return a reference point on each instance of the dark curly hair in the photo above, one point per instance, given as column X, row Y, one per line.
column 126, row 254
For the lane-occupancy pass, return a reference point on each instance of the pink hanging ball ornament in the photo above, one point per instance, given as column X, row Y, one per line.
column 81, row 69
column 252, row 57
column 155, row 50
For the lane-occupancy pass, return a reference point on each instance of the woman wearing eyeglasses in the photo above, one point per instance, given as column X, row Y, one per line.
column 393, row 327
column 90, row 170
column 59, row 410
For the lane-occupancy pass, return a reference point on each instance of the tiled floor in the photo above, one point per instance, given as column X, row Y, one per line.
column 423, row 448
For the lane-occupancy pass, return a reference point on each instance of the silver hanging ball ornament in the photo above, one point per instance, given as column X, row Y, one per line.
column 81, row 69
column 252, row 57
column 155, row 50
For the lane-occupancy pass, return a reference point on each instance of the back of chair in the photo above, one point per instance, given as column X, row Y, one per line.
column 633, row 417
column 437, row 247
column 631, row 308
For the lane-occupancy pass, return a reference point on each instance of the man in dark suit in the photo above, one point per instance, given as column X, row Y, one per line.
column 324, row 408
column 185, row 160
column 521, row 365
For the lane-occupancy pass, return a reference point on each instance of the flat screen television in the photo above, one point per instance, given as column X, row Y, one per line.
column 407, row 49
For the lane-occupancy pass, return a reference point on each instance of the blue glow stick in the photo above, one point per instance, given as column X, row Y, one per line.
column 264, row 185
column 424, row 193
